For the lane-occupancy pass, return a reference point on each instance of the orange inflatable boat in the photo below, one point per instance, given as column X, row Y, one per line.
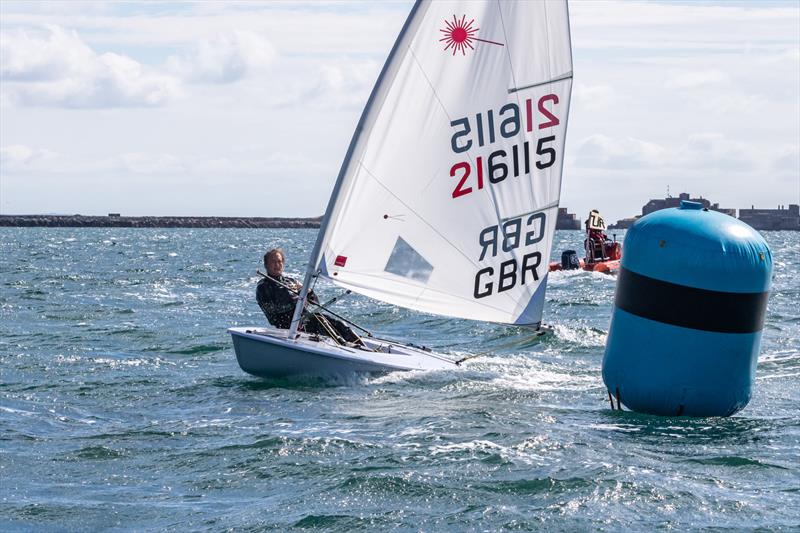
column 605, row 267
column 602, row 255
column 608, row 263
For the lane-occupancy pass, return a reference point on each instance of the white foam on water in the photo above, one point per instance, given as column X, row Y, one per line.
column 780, row 356
column 112, row 362
column 428, row 376
column 777, row 376
column 468, row 446
column 582, row 336
column 517, row 453
column 523, row 372
column 559, row 278
column 20, row 412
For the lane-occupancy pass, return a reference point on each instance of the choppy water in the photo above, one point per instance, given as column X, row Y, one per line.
column 122, row 407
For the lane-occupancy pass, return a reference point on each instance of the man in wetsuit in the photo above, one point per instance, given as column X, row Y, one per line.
column 278, row 302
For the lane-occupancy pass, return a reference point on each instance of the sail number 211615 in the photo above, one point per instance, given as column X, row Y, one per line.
column 502, row 163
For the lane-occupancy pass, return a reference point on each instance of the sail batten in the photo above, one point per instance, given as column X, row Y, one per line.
column 567, row 76
column 446, row 200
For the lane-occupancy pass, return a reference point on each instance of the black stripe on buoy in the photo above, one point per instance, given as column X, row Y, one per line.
column 688, row 307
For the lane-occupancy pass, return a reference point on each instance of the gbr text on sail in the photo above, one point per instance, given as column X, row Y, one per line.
column 484, row 164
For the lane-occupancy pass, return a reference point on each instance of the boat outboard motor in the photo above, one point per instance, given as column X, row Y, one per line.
column 569, row 260
column 688, row 314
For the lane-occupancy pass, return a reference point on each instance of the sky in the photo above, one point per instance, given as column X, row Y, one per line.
column 247, row 108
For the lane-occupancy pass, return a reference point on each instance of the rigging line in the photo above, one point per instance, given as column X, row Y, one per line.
column 468, row 357
column 322, row 321
column 336, row 298
column 343, row 319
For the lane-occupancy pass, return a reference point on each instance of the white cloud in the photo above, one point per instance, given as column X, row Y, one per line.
column 340, row 84
column 706, row 153
column 20, row 156
column 139, row 163
column 714, row 152
column 49, row 53
column 54, row 67
column 624, row 153
column 593, row 97
column 789, row 57
column 689, row 80
column 22, row 160
column 225, row 58
column 656, row 25
column 293, row 26
column 787, row 161
column 652, row 79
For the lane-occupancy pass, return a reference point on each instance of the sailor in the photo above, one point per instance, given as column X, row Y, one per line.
column 596, row 239
column 277, row 301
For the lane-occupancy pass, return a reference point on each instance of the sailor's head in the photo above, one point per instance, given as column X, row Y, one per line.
column 273, row 262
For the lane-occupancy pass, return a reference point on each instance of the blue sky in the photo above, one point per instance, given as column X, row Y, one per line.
column 246, row 108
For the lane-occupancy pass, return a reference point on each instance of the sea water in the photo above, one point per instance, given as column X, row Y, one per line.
column 122, row 406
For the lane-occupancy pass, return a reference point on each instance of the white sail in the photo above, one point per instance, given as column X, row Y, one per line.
column 447, row 200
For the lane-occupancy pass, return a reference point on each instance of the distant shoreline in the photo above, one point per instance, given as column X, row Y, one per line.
column 115, row 221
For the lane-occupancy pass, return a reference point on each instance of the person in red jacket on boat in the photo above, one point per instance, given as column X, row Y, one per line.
column 597, row 243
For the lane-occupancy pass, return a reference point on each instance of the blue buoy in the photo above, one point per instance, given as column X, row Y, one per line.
column 688, row 313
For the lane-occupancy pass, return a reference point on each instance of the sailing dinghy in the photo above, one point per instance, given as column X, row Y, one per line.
column 447, row 198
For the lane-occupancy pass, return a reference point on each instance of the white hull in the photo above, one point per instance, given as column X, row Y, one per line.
column 266, row 352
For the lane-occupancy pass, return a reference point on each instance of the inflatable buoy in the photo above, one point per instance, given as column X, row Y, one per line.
column 688, row 313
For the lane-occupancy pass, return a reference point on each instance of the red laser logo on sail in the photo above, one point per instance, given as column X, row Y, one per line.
column 459, row 35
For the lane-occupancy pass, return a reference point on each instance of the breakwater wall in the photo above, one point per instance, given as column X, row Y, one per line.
column 81, row 221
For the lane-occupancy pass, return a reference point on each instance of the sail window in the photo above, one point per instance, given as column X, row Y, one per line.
column 407, row 262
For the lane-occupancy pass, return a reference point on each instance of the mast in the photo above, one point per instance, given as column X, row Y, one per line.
column 313, row 261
